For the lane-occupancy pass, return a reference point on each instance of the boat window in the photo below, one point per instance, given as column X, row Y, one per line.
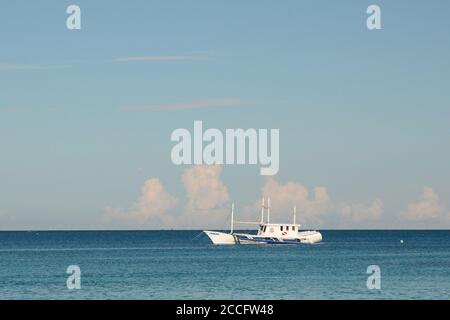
column 262, row 228
column 287, row 228
column 293, row 228
column 265, row 227
column 281, row 228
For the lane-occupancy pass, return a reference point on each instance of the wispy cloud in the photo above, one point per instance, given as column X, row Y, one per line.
column 147, row 58
column 199, row 104
column 155, row 58
column 12, row 66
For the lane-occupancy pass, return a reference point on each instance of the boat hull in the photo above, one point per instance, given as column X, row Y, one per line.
column 220, row 238
column 310, row 237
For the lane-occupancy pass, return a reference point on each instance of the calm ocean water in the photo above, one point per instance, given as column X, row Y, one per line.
column 173, row 265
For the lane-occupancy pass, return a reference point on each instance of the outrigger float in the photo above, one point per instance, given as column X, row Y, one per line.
column 268, row 233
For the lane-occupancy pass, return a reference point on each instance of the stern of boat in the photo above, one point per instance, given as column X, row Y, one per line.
column 310, row 237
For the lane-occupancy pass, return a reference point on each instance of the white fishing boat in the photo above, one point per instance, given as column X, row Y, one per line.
column 268, row 233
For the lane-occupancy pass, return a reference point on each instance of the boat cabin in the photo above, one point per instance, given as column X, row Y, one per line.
column 282, row 230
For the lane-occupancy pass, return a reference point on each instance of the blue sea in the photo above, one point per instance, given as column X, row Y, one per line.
column 185, row 265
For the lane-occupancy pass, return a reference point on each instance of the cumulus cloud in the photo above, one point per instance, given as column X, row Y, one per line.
column 207, row 196
column 427, row 206
column 207, row 203
column 6, row 220
column 151, row 207
column 310, row 207
column 360, row 212
column 316, row 208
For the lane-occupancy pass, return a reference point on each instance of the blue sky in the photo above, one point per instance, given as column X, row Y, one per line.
column 364, row 114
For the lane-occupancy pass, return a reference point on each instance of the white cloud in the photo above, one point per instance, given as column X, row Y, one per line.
column 316, row 208
column 427, row 206
column 310, row 208
column 199, row 104
column 360, row 212
column 207, row 205
column 150, row 208
column 207, row 197
column 6, row 220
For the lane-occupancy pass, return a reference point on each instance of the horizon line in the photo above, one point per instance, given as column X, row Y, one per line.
column 152, row 230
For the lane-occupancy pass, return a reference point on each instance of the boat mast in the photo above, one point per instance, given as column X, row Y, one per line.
column 268, row 210
column 262, row 211
column 295, row 213
column 232, row 217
